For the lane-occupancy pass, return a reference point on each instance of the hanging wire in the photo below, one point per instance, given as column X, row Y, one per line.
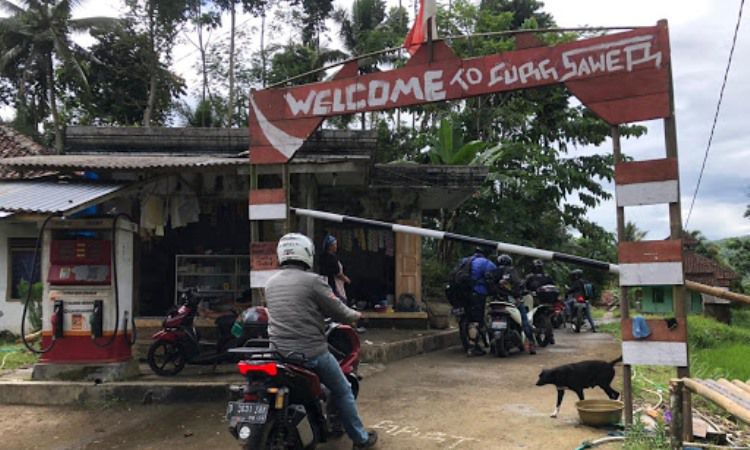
column 716, row 114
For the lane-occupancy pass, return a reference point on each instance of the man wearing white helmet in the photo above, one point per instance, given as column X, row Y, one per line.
column 298, row 302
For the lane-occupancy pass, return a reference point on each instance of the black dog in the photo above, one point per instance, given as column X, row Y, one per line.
column 578, row 376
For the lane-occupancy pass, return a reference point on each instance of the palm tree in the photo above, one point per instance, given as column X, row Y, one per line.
column 633, row 233
column 38, row 33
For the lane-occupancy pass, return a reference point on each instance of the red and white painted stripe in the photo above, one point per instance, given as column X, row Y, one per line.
column 268, row 204
column 647, row 182
column 651, row 263
column 264, row 263
column 664, row 347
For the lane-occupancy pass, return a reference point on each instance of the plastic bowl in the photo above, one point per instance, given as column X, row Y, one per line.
column 600, row 412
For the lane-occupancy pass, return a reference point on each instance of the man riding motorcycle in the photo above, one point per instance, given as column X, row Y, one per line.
column 578, row 289
column 507, row 283
column 298, row 302
column 537, row 278
column 480, row 268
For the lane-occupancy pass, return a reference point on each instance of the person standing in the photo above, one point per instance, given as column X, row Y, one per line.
column 332, row 269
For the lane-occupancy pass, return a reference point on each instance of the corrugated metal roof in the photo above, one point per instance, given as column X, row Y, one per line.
column 119, row 162
column 50, row 197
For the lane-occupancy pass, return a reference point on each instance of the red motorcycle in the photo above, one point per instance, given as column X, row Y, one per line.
column 283, row 405
column 179, row 343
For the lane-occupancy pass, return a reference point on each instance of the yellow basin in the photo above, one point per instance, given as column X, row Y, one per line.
column 598, row 412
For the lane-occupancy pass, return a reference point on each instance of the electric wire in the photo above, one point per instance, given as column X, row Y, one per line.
column 716, row 113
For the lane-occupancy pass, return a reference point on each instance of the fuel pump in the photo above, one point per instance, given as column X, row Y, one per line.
column 87, row 272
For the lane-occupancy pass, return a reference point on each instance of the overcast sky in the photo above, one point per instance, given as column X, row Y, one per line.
column 700, row 35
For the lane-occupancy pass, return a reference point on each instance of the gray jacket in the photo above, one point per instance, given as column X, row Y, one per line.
column 298, row 303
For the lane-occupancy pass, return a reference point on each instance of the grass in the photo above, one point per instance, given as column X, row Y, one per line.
column 716, row 351
column 14, row 355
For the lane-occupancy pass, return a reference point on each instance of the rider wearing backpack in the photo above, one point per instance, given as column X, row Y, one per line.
column 580, row 287
column 478, row 268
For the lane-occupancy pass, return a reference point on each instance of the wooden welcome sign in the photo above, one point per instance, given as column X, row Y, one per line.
column 622, row 77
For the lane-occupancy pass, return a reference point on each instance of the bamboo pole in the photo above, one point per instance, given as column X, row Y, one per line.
column 717, row 292
column 735, row 390
column 744, row 386
column 676, row 426
column 730, row 406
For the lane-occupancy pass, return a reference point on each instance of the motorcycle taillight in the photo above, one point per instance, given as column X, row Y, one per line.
column 268, row 368
column 250, row 397
column 580, row 299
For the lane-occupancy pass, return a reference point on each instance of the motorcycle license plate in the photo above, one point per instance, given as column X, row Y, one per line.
column 247, row 412
column 499, row 325
column 457, row 311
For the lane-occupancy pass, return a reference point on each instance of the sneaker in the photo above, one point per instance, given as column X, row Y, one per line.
column 532, row 349
column 372, row 438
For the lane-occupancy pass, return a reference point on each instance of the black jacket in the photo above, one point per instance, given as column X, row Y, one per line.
column 506, row 282
column 536, row 280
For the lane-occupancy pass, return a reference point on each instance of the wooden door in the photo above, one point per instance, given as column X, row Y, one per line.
column 409, row 263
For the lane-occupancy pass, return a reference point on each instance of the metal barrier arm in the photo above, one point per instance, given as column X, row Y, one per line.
column 440, row 235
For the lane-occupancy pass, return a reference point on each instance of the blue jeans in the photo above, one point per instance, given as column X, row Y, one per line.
column 525, row 322
column 327, row 368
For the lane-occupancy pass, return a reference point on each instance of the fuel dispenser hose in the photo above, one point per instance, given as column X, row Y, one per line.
column 26, row 343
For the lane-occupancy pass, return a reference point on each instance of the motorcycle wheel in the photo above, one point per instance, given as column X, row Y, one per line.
column 463, row 332
column 557, row 321
column 274, row 435
column 498, row 346
column 579, row 320
column 165, row 358
column 544, row 335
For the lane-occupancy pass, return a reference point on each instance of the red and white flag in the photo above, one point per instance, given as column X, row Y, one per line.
column 418, row 33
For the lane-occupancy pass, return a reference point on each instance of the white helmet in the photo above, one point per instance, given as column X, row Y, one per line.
column 296, row 247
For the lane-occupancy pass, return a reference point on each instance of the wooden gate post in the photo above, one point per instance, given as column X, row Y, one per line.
column 676, row 427
column 675, row 232
column 627, row 388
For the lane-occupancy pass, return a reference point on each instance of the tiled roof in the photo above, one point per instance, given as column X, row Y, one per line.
column 705, row 270
column 14, row 144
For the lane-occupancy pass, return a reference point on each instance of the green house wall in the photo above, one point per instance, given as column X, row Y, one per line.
column 658, row 299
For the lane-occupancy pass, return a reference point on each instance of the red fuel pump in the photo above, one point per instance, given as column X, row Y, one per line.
column 87, row 271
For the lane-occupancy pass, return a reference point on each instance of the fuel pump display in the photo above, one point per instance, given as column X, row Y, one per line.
column 87, row 271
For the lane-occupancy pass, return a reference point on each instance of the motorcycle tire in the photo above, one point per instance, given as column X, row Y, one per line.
column 273, row 435
column 166, row 358
column 557, row 321
column 544, row 335
column 579, row 321
column 498, row 347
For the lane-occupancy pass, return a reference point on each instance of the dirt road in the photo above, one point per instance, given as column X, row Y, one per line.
column 441, row 400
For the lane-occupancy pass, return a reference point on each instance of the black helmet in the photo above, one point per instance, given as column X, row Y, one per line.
column 537, row 266
column 480, row 250
column 576, row 274
column 504, row 260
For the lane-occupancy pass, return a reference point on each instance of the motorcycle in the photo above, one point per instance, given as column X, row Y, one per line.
column 542, row 314
column 504, row 329
column 179, row 343
column 578, row 315
column 283, row 405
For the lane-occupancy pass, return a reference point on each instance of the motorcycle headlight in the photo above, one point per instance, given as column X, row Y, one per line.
column 244, row 432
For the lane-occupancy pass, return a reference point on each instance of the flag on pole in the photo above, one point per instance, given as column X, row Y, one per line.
column 418, row 33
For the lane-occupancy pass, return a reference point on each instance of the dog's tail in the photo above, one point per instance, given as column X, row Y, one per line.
column 619, row 359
